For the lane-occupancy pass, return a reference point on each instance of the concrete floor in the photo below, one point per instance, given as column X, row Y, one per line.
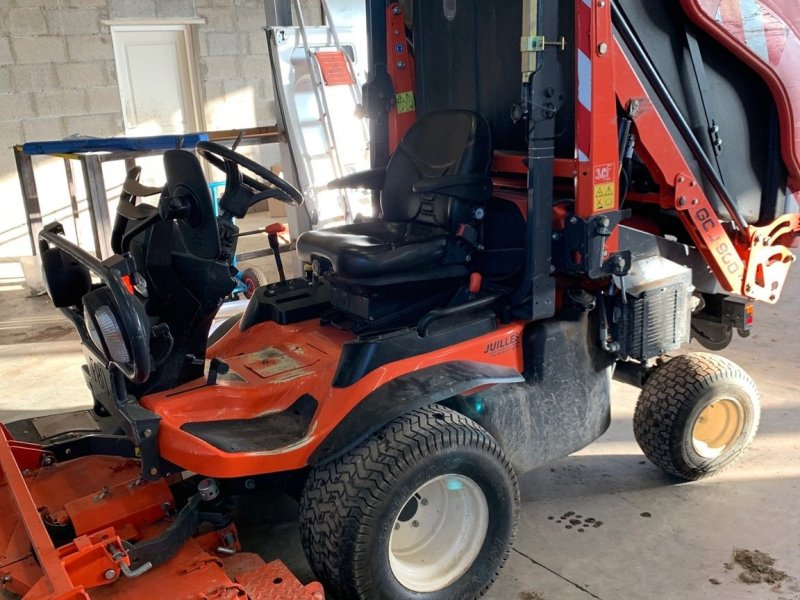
column 658, row 538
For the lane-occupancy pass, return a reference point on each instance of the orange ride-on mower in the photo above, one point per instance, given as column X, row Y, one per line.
column 466, row 334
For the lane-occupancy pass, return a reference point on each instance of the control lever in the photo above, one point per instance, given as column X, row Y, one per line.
column 118, row 556
column 272, row 237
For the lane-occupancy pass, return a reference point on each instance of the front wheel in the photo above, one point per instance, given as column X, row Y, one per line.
column 253, row 278
column 426, row 508
column 696, row 415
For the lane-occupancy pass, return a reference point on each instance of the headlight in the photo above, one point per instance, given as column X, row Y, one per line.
column 112, row 335
column 105, row 332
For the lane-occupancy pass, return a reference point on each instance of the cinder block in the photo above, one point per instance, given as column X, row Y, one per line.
column 224, row 44
column 217, row 19
column 254, row 67
column 60, row 103
column 85, row 48
column 220, row 67
column 104, row 99
column 257, row 42
column 10, row 135
column 36, row 3
column 175, row 8
column 26, row 21
column 42, row 49
column 52, row 17
column 265, row 112
column 5, row 51
column 81, row 20
column 125, row 9
column 82, row 3
column 83, row 75
column 250, row 19
column 33, row 78
column 40, row 130
column 5, row 81
column 107, row 125
column 17, row 106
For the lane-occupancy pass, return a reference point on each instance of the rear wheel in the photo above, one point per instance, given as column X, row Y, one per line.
column 426, row 508
column 696, row 415
column 253, row 278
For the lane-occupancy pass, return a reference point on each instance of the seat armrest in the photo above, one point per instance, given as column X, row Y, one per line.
column 371, row 179
column 475, row 188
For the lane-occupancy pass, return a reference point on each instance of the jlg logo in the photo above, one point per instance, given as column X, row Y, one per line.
column 716, row 239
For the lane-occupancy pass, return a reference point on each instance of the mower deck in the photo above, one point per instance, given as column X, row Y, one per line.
column 67, row 528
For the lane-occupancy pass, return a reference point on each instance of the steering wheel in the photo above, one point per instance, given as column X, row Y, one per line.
column 228, row 161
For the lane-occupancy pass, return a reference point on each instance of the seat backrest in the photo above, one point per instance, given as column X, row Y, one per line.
column 450, row 142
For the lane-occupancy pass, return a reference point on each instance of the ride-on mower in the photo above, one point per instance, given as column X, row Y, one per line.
column 524, row 251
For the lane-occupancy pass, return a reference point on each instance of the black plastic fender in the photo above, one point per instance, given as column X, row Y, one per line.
column 407, row 392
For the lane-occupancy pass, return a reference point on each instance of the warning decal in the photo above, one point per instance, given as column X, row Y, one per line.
column 604, row 196
column 405, row 102
column 604, row 187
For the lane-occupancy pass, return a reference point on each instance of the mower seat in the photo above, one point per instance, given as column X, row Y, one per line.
column 431, row 191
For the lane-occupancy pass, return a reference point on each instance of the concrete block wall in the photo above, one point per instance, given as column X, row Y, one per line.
column 58, row 78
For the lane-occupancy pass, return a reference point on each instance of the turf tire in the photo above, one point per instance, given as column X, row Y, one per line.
column 349, row 506
column 672, row 399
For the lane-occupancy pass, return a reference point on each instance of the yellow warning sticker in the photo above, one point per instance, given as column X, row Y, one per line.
column 604, row 196
column 405, row 102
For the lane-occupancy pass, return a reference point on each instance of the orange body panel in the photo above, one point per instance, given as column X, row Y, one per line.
column 276, row 365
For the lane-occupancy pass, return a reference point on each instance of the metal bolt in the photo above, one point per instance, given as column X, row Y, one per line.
column 602, row 48
column 154, row 471
column 6, row 578
column 250, row 484
column 424, row 502
column 396, row 526
column 748, row 288
column 695, row 201
column 604, row 221
column 110, row 574
column 573, row 220
column 148, row 433
column 401, row 64
column 773, row 297
column 682, row 201
column 166, row 506
column 415, row 523
column 397, row 10
column 680, row 180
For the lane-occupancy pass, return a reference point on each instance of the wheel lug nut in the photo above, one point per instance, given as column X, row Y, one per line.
column 415, row 523
column 424, row 502
column 396, row 526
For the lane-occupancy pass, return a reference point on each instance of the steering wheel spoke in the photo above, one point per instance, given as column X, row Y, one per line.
column 241, row 190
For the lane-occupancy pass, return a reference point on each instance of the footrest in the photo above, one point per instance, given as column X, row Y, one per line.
column 274, row 581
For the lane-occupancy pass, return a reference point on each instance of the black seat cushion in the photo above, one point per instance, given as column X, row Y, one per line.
column 376, row 248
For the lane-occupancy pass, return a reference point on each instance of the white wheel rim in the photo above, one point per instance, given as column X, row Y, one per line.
column 438, row 533
column 717, row 427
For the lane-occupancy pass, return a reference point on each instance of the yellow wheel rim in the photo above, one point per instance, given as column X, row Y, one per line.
column 717, row 427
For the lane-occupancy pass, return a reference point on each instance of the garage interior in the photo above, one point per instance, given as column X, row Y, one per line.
column 603, row 522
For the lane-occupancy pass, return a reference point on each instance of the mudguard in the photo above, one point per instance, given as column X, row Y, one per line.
column 407, row 392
